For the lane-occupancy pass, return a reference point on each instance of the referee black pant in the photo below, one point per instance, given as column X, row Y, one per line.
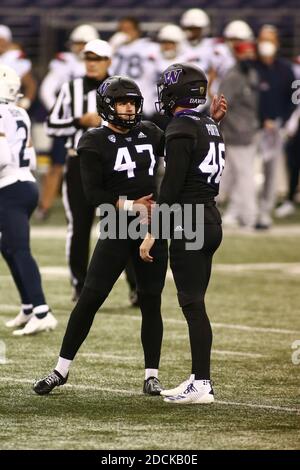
column 80, row 216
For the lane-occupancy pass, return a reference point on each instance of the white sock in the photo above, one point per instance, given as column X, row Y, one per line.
column 201, row 383
column 63, row 366
column 40, row 309
column 151, row 373
column 192, row 377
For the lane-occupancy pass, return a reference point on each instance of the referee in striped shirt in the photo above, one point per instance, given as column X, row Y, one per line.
column 72, row 114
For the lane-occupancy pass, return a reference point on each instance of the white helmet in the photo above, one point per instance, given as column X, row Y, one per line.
column 84, row 33
column 5, row 32
column 238, row 29
column 171, row 33
column 118, row 39
column 194, row 18
column 10, row 84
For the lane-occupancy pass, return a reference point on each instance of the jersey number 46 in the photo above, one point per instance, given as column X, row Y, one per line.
column 214, row 162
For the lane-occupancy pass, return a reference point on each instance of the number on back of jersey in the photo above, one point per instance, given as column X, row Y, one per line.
column 214, row 162
column 22, row 132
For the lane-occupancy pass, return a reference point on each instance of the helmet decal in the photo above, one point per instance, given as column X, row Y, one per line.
column 103, row 87
column 172, row 76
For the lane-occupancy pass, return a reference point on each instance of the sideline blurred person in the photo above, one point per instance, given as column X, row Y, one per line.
column 64, row 67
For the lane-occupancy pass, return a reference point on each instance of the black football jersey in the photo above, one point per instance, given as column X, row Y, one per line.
column 115, row 165
column 195, row 158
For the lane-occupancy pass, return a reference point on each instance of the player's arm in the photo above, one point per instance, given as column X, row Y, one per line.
column 5, row 153
column 91, row 170
column 30, row 154
column 49, row 89
column 29, row 85
column 89, row 120
column 178, row 154
column 92, row 179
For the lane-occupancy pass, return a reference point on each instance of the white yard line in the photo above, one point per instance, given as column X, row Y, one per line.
column 254, row 328
column 256, row 405
column 9, row 307
column 59, row 232
column 223, row 325
column 119, row 358
column 50, row 272
column 54, row 232
column 134, row 358
column 275, row 231
column 237, row 353
column 289, row 268
column 230, row 326
column 137, row 393
column 109, row 356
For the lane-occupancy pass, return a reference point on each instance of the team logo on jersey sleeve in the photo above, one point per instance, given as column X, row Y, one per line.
column 172, row 76
column 112, row 138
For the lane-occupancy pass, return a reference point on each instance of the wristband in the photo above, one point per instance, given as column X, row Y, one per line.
column 128, row 205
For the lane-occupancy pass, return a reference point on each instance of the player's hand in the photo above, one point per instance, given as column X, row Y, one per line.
column 146, row 247
column 90, row 120
column 270, row 124
column 144, row 206
column 218, row 107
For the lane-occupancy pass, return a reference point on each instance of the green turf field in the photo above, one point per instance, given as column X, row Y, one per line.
column 253, row 302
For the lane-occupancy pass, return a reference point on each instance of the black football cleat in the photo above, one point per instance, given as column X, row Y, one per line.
column 152, row 386
column 45, row 385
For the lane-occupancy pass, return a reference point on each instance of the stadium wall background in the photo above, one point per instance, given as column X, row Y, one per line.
column 42, row 26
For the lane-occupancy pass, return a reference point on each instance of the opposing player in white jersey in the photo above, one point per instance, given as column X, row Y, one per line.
column 18, row 199
column 198, row 48
column 11, row 54
column 66, row 65
column 135, row 58
column 171, row 49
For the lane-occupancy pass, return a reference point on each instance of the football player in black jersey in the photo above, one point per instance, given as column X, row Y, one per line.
column 194, row 164
column 118, row 160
